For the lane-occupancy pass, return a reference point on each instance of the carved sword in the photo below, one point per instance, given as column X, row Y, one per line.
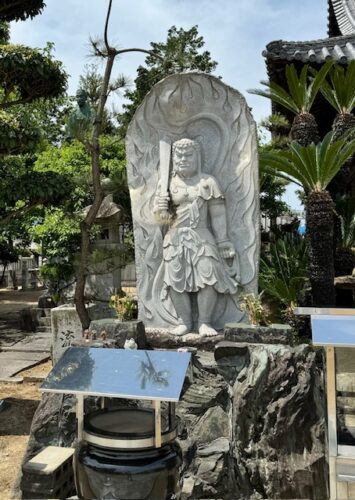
column 165, row 155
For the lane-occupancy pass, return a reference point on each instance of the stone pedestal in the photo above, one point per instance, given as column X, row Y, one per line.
column 273, row 334
column 66, row 326
column 119, row 331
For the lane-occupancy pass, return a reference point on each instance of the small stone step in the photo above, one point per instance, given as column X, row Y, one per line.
column 49, row 474
column 43, row 328
column 45, row 321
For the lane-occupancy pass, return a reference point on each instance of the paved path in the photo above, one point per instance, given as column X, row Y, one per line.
column 19, row 349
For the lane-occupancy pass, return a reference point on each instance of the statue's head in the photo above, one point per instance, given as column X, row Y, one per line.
column 186, row 157
column 81, row 97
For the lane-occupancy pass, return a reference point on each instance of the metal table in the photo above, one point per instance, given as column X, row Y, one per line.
column 334, row 329
column 118, row 373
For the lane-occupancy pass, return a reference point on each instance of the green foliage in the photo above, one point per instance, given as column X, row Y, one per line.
column 271, row 191
column 345, row 208
column 58, row 233
column 91, row 82
column 20, row 10
column 73, row 160
column 29, row 128
column 275, row 122
column 181, row 52
column 31, row 107
column 8, row 253
column 340, row 91
column 125, row 307
column 313, row 166
column 28, row 74
column 22, row 188
column 4, row 32
column 20, row 131
column 283, row 270
column 255, row 309
column 55, row 277
column 58, row 229
column 301, row 89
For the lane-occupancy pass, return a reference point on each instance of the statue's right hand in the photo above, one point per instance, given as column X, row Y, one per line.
column 163, row 203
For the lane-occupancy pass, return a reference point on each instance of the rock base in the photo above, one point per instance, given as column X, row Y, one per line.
column 119, row 331
column 161, row 338
column 273, row 334
column 251, row 420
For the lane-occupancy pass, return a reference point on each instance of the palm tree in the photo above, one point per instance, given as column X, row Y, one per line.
column 298, row 99
column 339, row 91
column 313, row 167
column 345, row 227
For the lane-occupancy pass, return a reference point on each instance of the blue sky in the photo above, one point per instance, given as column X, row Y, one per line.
column 235, row 32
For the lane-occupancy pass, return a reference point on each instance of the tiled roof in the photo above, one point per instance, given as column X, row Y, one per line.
column 344, row 11
column 340, row 49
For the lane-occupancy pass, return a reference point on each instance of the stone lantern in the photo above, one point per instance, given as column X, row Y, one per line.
column 105, row 271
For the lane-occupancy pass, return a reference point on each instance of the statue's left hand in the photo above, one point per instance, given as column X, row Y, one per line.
column 226, row 249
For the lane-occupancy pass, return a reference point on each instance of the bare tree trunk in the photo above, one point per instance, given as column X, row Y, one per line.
column 3, row 274
column 87, row 223
column 319, row 223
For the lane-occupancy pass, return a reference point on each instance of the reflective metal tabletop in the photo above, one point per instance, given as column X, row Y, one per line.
column 121, row 373
column 333, row 330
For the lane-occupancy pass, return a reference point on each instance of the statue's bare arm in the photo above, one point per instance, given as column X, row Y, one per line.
column 161, row 206
column 218, row 215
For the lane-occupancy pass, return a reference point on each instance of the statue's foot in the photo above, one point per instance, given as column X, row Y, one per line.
column 207, row 330
column 180, row 330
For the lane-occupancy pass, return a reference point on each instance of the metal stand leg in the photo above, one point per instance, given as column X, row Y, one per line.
column 80, row 415
column 171, row 416
column 157, row 411
column 332, row 422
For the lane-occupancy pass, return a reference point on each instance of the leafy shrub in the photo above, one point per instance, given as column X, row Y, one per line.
column 125, row 307
column 283, row 270
column 253, row 306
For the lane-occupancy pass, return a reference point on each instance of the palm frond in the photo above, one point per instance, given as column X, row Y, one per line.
column 283, row 270
column 297, row 85
column 345, row 208
column 339, row 91
column 277, row 94
column 316, row 83
column 312, row 166
column 301, row 93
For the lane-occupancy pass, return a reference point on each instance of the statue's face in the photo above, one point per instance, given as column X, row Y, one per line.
column 185, row 161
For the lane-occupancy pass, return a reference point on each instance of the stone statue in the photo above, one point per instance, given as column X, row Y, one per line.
column 193, row 179
column 82, row 118
column 195, row 251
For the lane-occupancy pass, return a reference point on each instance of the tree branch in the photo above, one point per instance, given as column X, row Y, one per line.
column 17, row 213
column 123, row 51
column 5, row 105
column 106, row 26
